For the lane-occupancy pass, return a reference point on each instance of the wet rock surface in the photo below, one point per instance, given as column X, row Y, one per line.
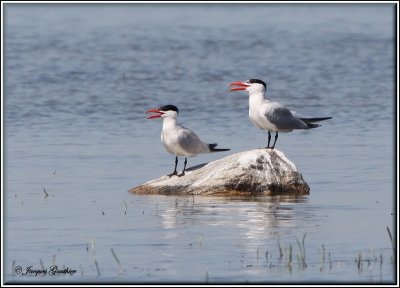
column 253, row 173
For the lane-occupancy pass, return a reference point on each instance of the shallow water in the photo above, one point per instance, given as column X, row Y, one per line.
column 78, row 79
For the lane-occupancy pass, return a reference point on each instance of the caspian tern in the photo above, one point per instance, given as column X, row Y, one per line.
column 269, row 115
column 179, row 140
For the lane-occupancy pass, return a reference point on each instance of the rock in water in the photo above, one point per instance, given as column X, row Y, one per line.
column 250, row 173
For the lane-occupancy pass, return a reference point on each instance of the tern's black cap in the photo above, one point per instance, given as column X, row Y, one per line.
column 258, row 81
column 169, row 108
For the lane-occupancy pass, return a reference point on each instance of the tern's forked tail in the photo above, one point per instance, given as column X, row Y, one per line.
column 213, row 149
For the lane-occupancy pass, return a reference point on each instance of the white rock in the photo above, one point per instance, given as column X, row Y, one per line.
column 252, row 173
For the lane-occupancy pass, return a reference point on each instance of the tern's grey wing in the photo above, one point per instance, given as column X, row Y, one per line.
column 283, row 119
column 191, row 143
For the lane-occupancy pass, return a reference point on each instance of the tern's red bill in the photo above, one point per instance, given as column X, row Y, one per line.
column 157, row 114
column 242, row 86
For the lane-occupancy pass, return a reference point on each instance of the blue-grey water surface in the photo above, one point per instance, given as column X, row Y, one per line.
column 77, row 80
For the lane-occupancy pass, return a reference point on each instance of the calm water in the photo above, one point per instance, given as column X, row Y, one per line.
column 78, row 79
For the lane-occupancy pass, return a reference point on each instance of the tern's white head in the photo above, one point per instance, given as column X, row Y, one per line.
column 253, row 86
column 166, row 111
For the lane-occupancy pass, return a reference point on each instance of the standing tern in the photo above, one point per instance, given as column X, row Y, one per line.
column 269, row 115
column 179, row 140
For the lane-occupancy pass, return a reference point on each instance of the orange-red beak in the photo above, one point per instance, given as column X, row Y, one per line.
column 157, row 115
column 242, row 86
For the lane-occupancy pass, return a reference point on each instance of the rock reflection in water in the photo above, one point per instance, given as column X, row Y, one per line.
column 254, row 218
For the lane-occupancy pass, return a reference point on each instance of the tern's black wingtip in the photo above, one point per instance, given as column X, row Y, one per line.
column 213, row 149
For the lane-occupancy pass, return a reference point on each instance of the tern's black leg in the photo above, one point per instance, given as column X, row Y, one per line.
column 276, row 138
column 176, row 164
column 184, row 167
column 269, row 139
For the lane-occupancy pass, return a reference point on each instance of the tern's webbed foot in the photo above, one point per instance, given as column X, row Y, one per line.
column 173, row 173
column 182, row 174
